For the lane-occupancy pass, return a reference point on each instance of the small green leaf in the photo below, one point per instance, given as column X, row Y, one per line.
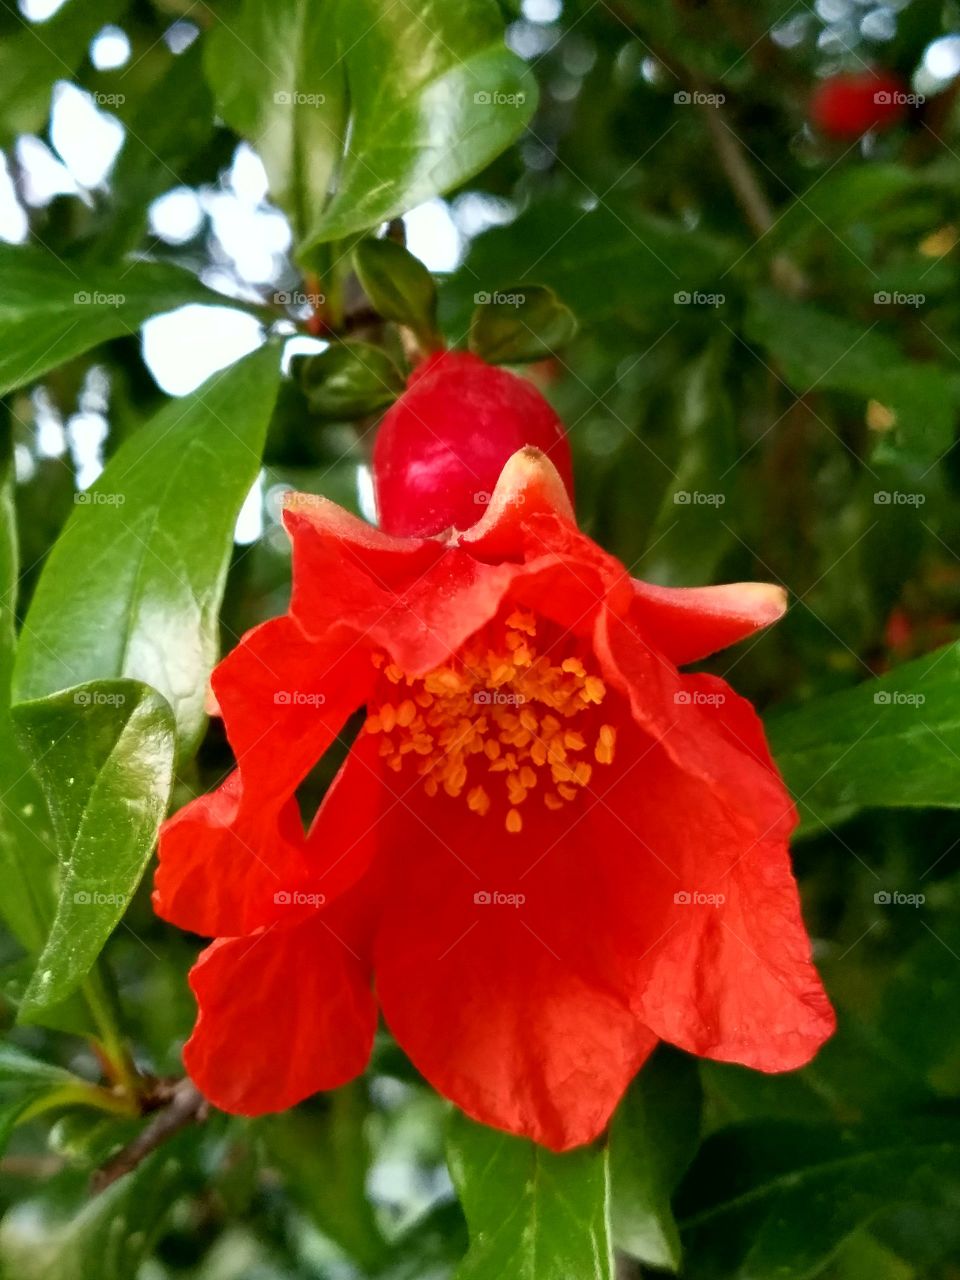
column 349, row 380
column 51, row 310
column 887, row 743
column 104, row 754
column 653, row 1138
column 277, row 78
column 158, row 528
column 399, row 285
column 23, row 1082
column 434, row 95
column 523, row 323
column 532, row 1215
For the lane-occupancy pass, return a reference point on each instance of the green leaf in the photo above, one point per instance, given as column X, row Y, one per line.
column 51, row 310
column 278, row 81
column 41, row 53
column 323, row 1156
column 435, row 95
column 27, row 856
column 775, row 1201
column 134, row 583
column 887, row 743
column 398, row 284
column 518, row 324
column 104, row 753
column 349, row 380
column 532, row 1215
column 25, row 1080
column 817, row 350
column 653, row 1138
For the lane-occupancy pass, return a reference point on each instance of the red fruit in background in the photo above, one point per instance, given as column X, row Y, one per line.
column 440, row 449
column 849, row 104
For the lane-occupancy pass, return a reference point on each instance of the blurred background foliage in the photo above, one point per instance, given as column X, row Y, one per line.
column 765, row 385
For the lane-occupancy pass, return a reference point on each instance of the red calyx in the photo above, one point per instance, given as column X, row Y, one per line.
column 440, row 449
column 850, row 104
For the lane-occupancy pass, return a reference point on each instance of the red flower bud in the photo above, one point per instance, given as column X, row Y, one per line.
column 848, row 105
column 442, row 446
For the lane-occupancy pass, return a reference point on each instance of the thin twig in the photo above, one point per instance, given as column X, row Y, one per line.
column 184, row 1105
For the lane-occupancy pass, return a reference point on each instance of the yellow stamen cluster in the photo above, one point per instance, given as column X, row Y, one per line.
column 501, row 708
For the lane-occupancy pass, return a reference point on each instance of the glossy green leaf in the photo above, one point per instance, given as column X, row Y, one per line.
column 514, row 325
column 817, row 350
column 104, row 753
column 27, row 854
column 40, row 54
column 51, row 311
column 775, row 1201
column 278, row 81
column 434, row 94
column 398, row 284
column 532, row 1215
column 653, row 1138
column 349, row 380
column 887, row 743
column 133, row 585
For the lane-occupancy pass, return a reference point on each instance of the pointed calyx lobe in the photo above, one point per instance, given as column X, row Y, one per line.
column 547, row 847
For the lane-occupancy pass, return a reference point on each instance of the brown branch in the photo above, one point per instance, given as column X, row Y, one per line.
column 178, row 1105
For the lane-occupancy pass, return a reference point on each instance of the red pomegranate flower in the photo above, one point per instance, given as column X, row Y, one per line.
column 850, row 103
column 546, row 850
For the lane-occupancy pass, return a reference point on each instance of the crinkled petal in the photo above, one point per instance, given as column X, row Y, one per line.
column 218, row 875
column 512, row 1010
column 284, row 1013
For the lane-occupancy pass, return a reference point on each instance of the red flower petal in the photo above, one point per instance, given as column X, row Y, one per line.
column 218, row 875
column 510, row 1011
column 689, row 623
column 419, row 600
column 283, row 1014
column 729, row 979
column 283, row 699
